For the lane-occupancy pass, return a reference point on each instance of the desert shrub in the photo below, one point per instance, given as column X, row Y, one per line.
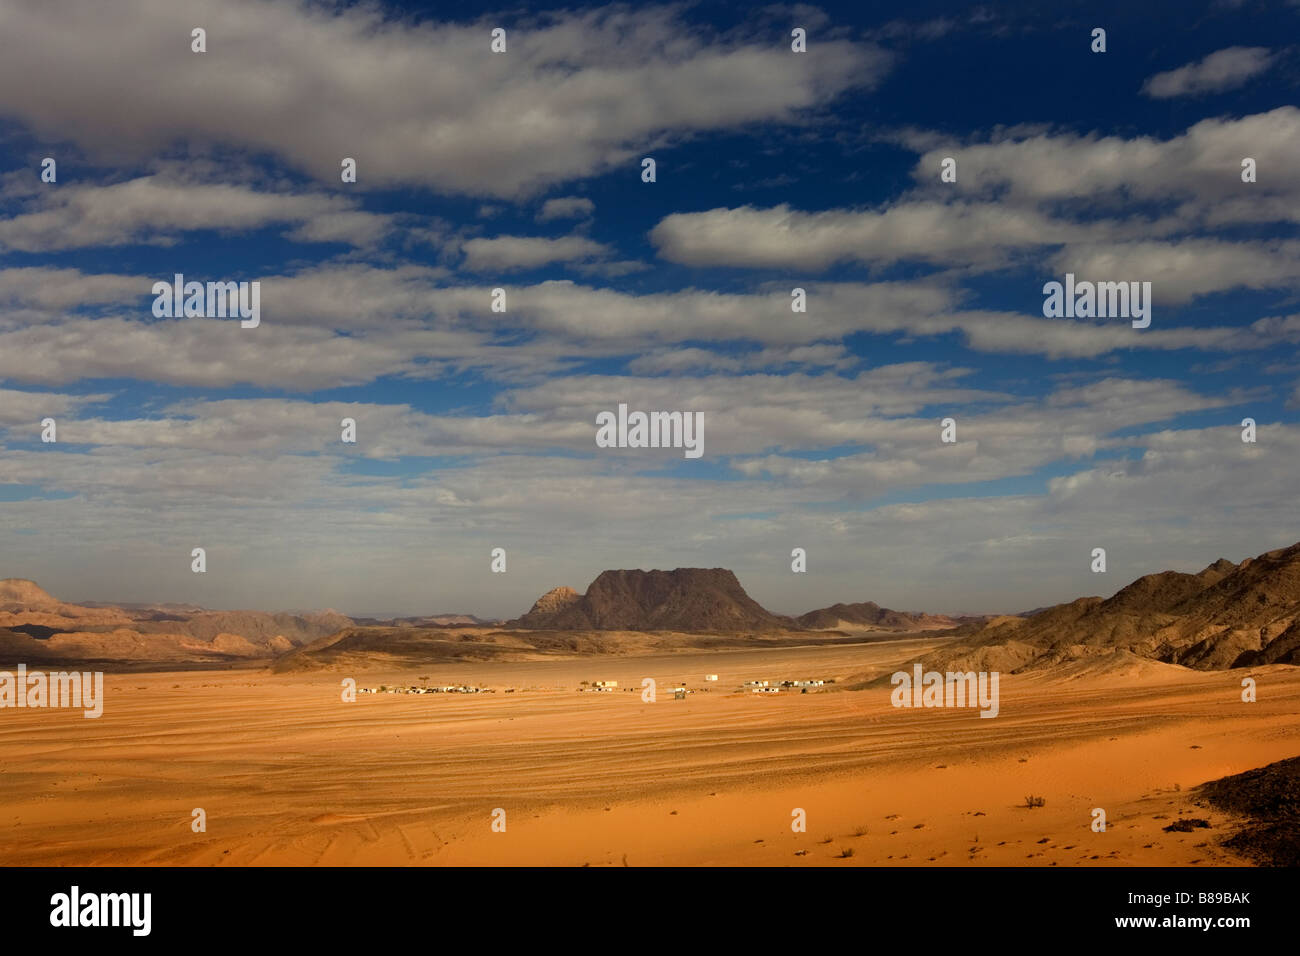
column 1187, row 825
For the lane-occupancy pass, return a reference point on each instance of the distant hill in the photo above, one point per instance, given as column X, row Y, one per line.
column 360, row 648
column 36, row 626
column 19, row 592
column 869, row 614
column 1226, row 615
column 554, row 601
column 684, row 599
column 428, row 620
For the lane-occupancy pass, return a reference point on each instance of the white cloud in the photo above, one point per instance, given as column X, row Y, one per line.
column 291, row 530
column 152, row 209
column 1201, row 168
column 46, row 287
column 1223, row 70
column 1184, row 270
column 347, row 325
column 508, row 253
column 986, row 235
column 415, row 103
column 21, row 411
column 566, row 207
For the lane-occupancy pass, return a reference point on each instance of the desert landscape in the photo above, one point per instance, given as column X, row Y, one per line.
column 1134, row 706
column 585, row 434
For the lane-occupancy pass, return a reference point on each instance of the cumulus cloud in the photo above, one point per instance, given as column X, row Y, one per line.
column 935, row 232
column 265, row 486
column 1199, row 168
column 350, row 325
column 415, row 103
column 1223, row 70
column 508, row 253
column 1021, row 205
column 204, row 352
column 1184, row 270
column 47, row 287
column 816, row 424
column 153, row 209
column 566, row 207
column 21, row 411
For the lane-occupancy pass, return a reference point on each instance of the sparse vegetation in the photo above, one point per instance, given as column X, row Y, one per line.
column 1187, row 825
column 1266, row 796
column 846, row 853
column 1032, row 802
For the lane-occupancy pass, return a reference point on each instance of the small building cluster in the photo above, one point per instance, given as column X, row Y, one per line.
column 680, row 690
column 767, row 687
column 445, row 689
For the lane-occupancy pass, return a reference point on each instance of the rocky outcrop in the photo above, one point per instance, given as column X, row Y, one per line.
column 684, row 599
column 1224, row 616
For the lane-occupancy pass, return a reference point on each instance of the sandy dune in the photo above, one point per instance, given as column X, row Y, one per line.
column 289, row 774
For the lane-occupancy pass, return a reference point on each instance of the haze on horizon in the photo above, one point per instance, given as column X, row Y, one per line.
column 476, row 429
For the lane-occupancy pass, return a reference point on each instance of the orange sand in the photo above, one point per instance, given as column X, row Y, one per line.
column 288, row 774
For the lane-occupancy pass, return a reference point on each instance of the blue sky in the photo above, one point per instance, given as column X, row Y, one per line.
column 522, row 170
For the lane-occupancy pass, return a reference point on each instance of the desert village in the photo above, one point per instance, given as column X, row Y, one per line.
column 678, row 689
column 446, row 689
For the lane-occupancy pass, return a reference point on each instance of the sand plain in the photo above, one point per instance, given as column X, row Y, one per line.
column 289, row 774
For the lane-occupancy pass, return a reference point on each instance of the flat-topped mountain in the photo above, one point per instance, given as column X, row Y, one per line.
column 684, row 599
